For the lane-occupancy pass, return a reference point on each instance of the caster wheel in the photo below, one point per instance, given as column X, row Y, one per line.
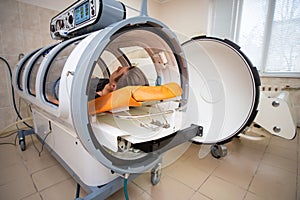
column 22, row 145
column 156, row 174
column 218, row 151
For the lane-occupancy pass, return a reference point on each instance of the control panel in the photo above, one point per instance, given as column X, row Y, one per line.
column 86, row 16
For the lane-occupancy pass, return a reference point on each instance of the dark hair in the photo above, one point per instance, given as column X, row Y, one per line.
column 134, row 77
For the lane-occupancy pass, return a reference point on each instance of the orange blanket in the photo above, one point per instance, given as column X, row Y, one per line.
column 133, row 96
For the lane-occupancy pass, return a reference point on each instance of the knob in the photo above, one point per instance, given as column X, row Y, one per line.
column 70, row 19
column 52, row 28
column 61, row 23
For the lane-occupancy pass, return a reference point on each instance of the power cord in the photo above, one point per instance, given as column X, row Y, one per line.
column 44, row 140
column 10, row 143
column 43, row 143
column 13, row 92
column 6, row 136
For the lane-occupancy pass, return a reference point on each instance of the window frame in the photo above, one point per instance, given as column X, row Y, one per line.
column 235, row 12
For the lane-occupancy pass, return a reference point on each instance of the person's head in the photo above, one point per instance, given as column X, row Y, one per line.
column 125, row 76
column 133, row 76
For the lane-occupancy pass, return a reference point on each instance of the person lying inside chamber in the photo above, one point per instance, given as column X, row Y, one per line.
column 127, row 87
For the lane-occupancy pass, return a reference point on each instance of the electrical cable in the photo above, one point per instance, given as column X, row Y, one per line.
column 43, row 143
column 13, row 92
column 125, row 186
column 10, row 143
column 8, row 135
column 3, row 143
column 19, row 103
column 6, row 131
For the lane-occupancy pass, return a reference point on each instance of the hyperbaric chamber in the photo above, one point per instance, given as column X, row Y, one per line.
column 165, row 88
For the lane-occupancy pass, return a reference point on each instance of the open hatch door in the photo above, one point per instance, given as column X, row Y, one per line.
column 223, row 88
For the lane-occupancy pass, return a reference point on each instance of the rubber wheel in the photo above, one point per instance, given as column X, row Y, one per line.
column 214, row 150
column 22, row 145
column 156, row 174
column 218, row 151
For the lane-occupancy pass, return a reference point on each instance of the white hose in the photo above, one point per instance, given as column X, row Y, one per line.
column 5, row 130
column 260, row 135
column 254, row 138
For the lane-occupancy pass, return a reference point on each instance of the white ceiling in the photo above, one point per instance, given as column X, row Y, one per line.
column 58, row 4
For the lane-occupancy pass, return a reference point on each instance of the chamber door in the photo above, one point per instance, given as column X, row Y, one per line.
column 224, row 88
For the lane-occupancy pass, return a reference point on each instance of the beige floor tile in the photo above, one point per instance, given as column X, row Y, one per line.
column 18, row 188
column 274, row 183
column 144, row 181
column 11, row 173
column 40, row 163
column 207, row 164
column 218, row 189
column 288, row 144
column 180, row 153
column 236, row 174
column 251, row 196
column 190, row 175
column 64, row 190
column 283, row 152
column 35, row 196
column 8, row 156
column 170, row 162
column 145, row 196
column 275, row 178
column 280, row 162
column 134, row 193
column 50, row 176
column 169, row 188
column 31, row 153
column 298, row 188
column 198, row 196
column 245, row 153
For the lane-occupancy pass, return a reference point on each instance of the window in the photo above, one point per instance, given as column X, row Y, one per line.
column 53, row 73
column 269, row 34
column 33, row 71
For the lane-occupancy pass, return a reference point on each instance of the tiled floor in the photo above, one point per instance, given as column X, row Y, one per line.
column 252, row 170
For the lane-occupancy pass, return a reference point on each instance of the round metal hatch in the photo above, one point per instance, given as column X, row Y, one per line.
column 106, row 136
column 223, row 88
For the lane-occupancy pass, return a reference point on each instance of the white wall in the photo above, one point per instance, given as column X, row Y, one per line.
column 189, row 18
column 186, row 18
column 153, row 7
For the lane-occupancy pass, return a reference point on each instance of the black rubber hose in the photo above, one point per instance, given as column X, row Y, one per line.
column 13, row 91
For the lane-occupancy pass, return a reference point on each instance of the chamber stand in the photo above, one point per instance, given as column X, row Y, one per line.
column 104, row 191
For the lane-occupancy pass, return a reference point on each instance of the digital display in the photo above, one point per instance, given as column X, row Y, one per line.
column 82, row 13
